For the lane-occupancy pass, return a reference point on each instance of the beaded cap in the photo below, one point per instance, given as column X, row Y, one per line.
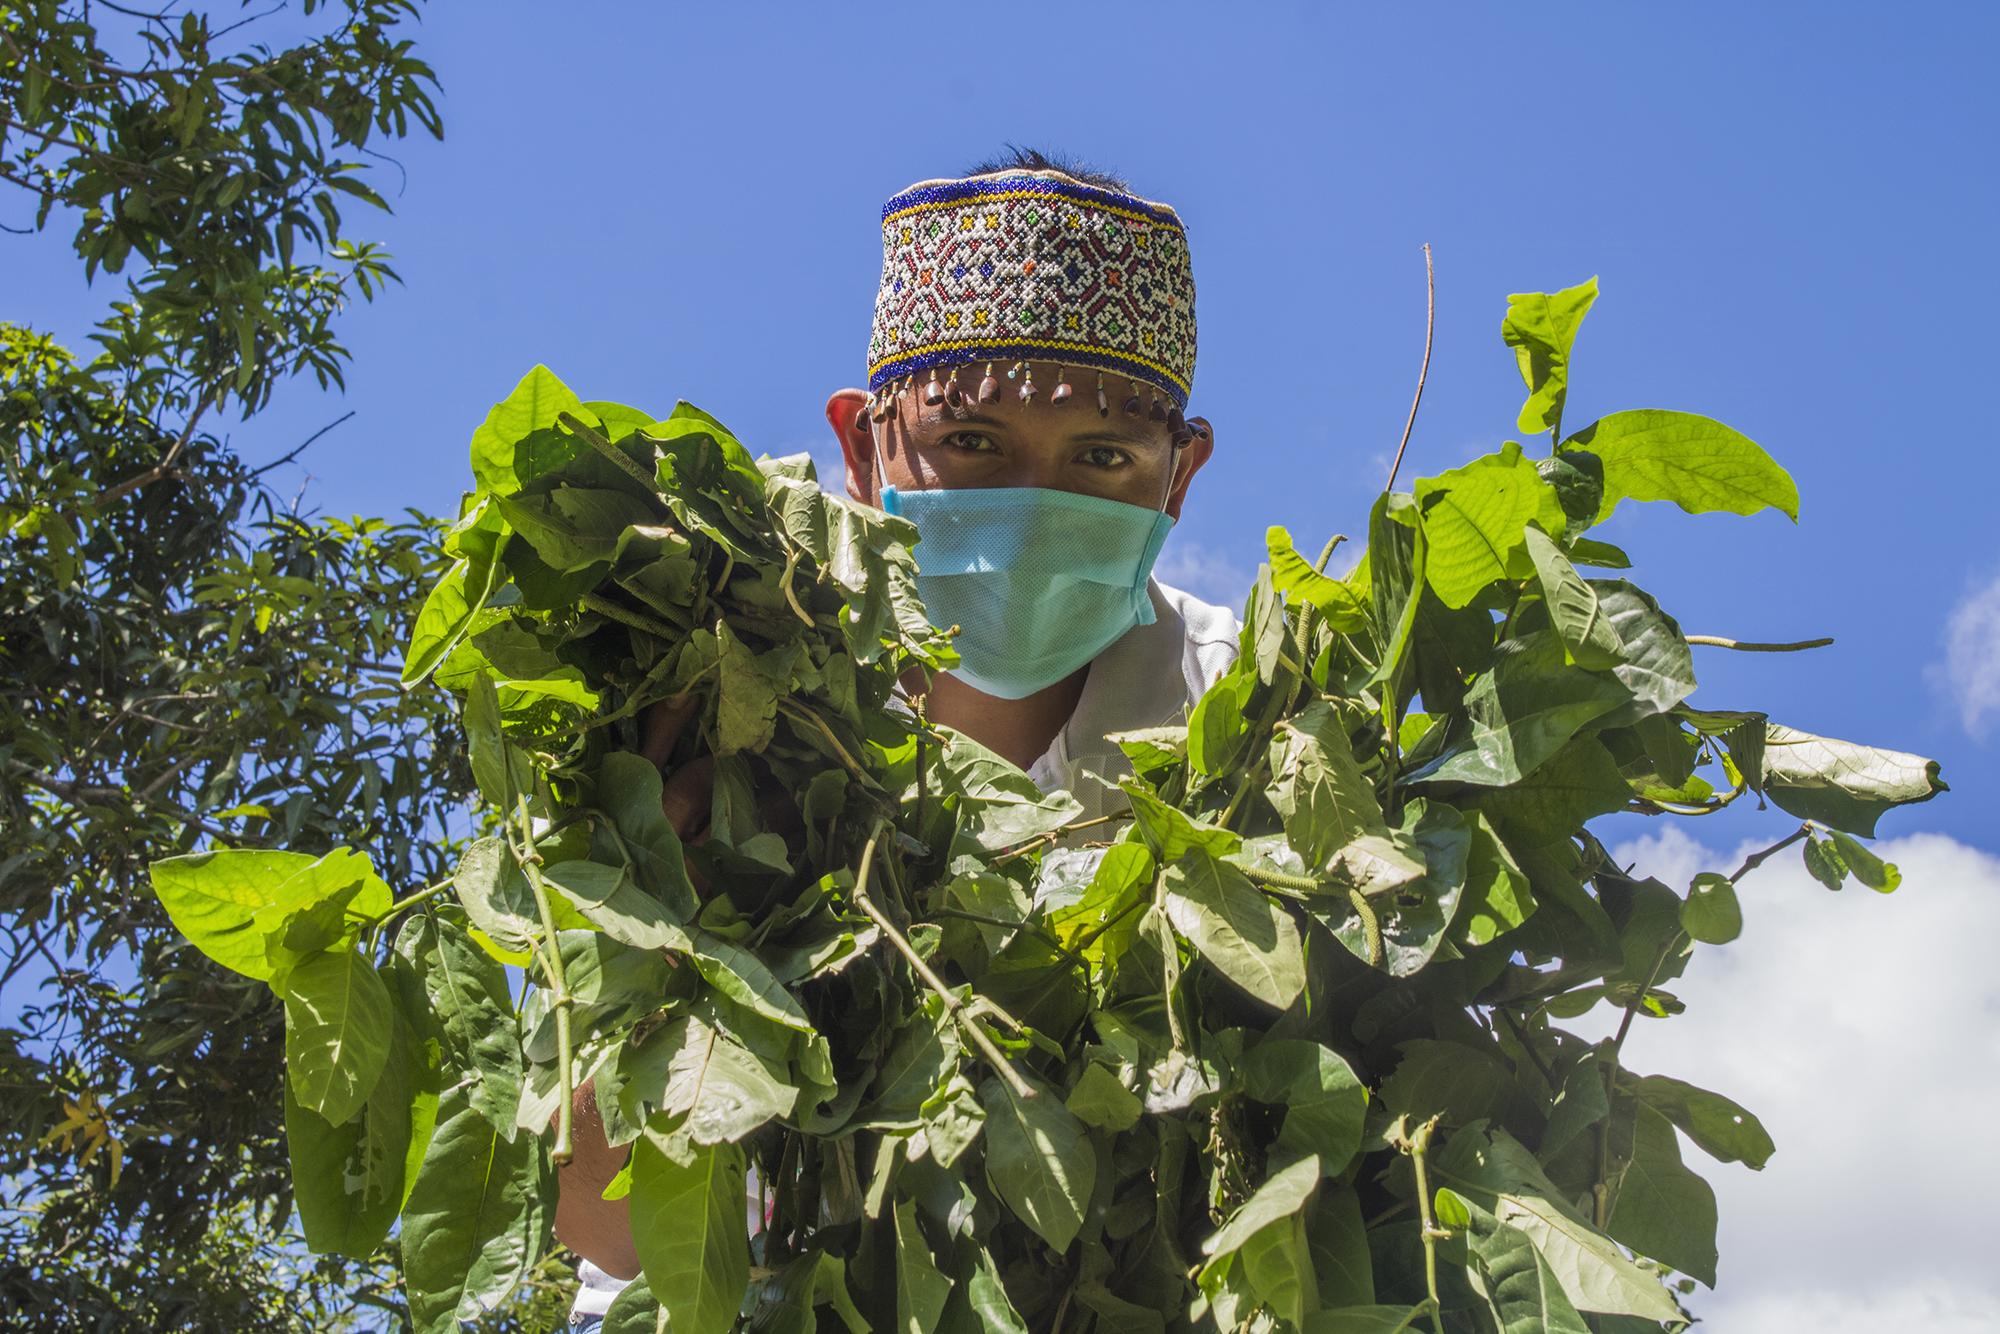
column 1023, row 266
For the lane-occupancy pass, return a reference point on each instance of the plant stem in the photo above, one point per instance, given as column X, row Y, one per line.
column 606, row 607
column 853, row 766
column 552, row 963
column 1430, row 327
column 953, row 1006
column 1752, row 646
column 618, row 457
column 1420, row 1144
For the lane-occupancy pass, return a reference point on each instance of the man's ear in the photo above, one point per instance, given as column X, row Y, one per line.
column 1188, row 461
column 847, row 414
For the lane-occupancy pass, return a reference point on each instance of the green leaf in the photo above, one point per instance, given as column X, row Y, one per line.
column 1723, row 1129
column 231, row 902
column 1317, row 786
column 687, row 1222
column 1394, row 570
column 1282, row 1195
column 1520, row 1288
column 1711, row 913
column 350, row 1181
column 1824, row 862
column 1541, row 328
column 746, row 709
column 502, row 453
column 1277, row 1262
column 1039, row 1160
column 338, row 1026
column 477, row 1219
column 1498, row 895
column 629, row 791
column 1340, row 606
column 1495, row 1172
column 998, row 804
column 1579, row 784
column 1654, row 661
column 694, row 1070
column 496, row 895
column 1324, row 1100
column 1660, row 1208
column 1338, row 1238
column 469, row 998
column 1520, row 713
column 1366, row 1320
column 1695, row 462
column 1100, row 1100
column 1864, row 865
column 1474, row 520
column 1842, row 784
column 1587, row 637
column 449, row 611
column 503, row 770
column 921, row 1289
column 1246, row 937
column 633, row 1311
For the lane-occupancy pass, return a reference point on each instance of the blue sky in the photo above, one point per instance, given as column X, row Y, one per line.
column 1783, row 203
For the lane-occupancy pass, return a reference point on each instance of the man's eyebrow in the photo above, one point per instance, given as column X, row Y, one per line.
column 1133, row 433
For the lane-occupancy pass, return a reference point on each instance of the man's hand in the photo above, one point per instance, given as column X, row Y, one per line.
column 597, row 1229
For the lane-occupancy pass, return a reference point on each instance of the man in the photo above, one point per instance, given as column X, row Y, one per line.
column 1029, row 365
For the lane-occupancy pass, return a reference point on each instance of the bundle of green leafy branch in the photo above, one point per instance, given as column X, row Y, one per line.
column 1276, row 1049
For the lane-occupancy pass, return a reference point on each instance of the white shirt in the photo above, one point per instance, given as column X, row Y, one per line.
column 1150, row 677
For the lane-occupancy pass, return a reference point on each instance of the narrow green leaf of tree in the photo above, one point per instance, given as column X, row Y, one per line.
column 1693, row 461
column 1039, row 1160
column 921, row 1288
column 1236, row 927
column 1541, row 328
column 476, row 1220
column 338, row 1026
column 687, row 1222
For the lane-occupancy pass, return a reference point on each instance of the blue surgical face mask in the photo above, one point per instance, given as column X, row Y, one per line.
column 1038, row 581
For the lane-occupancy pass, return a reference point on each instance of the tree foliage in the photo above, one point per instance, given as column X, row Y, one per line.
column 187, row 657
column 1277, row 1047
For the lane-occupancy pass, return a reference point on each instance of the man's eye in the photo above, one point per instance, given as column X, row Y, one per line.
column 972, row 441
column 1104, row 456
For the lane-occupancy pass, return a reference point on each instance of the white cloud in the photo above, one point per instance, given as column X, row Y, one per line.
column 1209, row 574
column 1971, row 667
column 1671, row 855
column 1864, row 1030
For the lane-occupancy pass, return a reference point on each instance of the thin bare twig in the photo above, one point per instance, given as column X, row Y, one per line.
column 1423, row 372
column 160, row 469
column 281, row 462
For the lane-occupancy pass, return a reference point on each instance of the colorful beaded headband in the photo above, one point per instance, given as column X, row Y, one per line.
column 1022, row 266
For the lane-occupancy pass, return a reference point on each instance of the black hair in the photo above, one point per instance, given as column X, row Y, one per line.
column 1017, row 158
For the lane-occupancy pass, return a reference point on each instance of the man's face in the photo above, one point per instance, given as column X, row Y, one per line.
column 1009, row 442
